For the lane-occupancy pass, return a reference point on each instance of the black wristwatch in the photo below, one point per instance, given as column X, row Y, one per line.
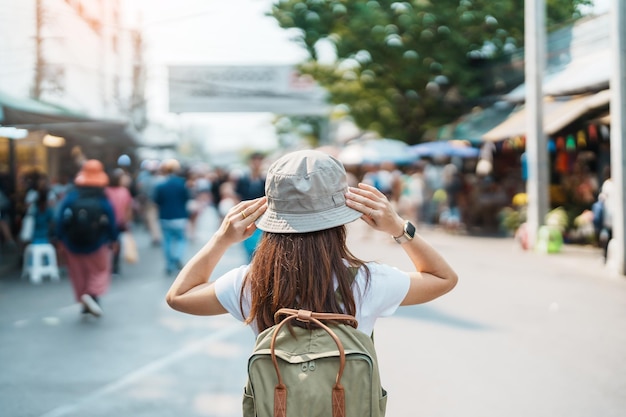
column 407, row 234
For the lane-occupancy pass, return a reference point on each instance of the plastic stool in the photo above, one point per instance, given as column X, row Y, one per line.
column 549, row 240
column 40, row 260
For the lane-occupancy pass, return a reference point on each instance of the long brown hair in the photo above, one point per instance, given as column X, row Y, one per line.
column 296, row 270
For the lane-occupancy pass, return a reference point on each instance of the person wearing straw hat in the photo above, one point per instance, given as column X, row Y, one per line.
column 86, row 229
column 302, row 260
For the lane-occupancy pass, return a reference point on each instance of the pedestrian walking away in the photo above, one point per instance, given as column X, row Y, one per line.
column 86, row 229
column 122, row 202
column 147, row 180
column 303, row 263
column 171, row 197
column 249, row 186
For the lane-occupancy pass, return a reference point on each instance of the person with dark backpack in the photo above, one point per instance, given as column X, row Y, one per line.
column 310, row 302
column 86, row 229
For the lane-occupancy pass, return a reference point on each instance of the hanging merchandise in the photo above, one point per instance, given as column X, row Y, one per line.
column 560, row 143
column 487, row 150
column 581, row 140
column 604, row 132
column 551, row 145
column 518, row 143
column 571, row 161
column 593, row 132
column 560, row 162
column 570, row 143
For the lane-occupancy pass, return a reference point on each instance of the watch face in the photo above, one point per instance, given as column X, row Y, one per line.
column 409, row 229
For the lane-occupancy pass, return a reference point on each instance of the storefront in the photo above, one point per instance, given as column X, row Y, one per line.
column 54, row 144
column 578, row 149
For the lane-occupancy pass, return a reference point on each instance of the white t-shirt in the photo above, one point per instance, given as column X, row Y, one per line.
column 387, row 288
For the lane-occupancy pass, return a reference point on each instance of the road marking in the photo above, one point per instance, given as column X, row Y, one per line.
column 142, row 372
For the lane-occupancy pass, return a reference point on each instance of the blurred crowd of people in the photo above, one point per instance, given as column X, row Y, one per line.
column 441, row 192
column 166, row 198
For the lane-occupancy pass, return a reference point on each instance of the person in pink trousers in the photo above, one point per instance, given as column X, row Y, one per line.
column 87, row 232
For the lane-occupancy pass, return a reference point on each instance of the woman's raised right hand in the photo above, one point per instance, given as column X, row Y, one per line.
column 238, row 224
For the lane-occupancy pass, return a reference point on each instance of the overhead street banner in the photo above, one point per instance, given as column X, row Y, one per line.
column 266, row 89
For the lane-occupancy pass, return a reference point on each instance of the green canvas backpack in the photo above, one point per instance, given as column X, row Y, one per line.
column 330, row 370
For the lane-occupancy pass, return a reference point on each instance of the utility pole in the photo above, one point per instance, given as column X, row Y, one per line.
column 536, row 142
column 618, row 136
column 138, row 101
column 40, row 64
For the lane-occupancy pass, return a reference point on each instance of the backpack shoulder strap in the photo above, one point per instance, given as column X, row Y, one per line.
column 280, row 390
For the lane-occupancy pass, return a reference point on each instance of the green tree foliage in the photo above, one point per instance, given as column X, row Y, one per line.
column 403, row 67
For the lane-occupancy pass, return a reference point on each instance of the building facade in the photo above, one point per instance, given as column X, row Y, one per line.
column 77, row 54
column 72, row 81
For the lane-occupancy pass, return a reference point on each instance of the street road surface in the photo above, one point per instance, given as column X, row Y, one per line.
column 522, row 335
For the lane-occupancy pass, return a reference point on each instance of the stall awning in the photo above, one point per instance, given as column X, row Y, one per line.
column 557, row 114
column 34, row 115
column 475, row 124
column 604, row 119
column 579, row 59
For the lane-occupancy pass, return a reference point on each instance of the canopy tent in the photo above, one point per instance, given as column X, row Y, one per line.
column 475, row 124
column 558, row 112
column 376, row 151
column 580, row 76
column 450, row 148
column 604, row 119
column 578, row 59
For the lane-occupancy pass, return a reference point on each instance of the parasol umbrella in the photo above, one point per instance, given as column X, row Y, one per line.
column 376, row 151
column 444, row 148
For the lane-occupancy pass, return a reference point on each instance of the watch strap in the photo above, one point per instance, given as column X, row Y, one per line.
column 408, row 232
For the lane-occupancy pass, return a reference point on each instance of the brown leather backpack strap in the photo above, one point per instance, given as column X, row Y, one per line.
column 284, row 312
column 280, row 391
column 351, row 320
column 280, row 401
column 339, row 402
column 273, row 345
column 305, row 315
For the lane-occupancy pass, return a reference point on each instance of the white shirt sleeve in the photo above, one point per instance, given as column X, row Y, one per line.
column 388, row 286
column 228, row 290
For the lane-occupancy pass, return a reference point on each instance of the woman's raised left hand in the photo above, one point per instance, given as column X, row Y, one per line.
column 376, row 208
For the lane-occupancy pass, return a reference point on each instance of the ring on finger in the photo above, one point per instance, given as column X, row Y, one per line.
column 244, row 214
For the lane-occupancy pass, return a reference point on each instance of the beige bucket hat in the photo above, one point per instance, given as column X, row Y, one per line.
column 305, row 193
